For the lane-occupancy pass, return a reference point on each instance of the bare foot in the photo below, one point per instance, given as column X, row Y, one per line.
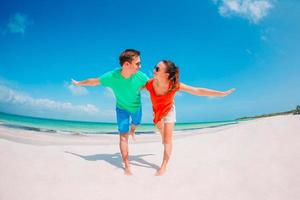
column 160, row 172
column 127, row 172
column 132, row 133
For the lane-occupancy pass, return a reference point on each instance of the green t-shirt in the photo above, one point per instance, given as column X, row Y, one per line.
column 127, row 91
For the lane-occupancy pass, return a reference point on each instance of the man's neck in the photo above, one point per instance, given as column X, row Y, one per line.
column 125, row 73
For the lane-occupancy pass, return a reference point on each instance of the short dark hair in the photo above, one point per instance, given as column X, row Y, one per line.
column 128, row 55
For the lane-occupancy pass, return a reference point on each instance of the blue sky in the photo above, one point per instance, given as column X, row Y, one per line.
column 251, row 45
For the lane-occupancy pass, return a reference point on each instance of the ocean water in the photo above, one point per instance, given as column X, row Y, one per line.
column 78, row 127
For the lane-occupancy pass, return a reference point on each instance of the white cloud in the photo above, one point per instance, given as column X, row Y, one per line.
column 253, row 10
column 108, row 92
column 8, row 83
column 18, row 23
column 76, row 90
column 180, row 94
column 214, row 98
column 11, row 96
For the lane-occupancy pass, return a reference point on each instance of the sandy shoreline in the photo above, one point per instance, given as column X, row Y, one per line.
column 44, row 138
column 258, row 159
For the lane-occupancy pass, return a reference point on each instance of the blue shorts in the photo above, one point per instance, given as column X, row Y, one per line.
column 123, row 119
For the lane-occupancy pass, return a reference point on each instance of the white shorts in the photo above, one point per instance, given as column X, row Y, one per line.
column 171, row 116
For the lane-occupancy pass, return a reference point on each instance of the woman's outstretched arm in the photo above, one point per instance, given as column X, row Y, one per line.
column 204, row 91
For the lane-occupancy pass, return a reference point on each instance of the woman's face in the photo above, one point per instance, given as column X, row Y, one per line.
column 160, row 71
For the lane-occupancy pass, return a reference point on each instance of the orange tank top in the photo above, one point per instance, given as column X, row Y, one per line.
column 161, row 104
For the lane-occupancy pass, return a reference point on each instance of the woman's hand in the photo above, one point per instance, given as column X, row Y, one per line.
column 229, row 92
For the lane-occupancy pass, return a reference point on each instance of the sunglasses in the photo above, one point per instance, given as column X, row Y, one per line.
column 156, row 69
column 138, row 64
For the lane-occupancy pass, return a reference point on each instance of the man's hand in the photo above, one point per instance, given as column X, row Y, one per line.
column 87, row 82
column 74, row 82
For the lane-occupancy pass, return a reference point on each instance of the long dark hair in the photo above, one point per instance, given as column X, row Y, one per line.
column 173, row 72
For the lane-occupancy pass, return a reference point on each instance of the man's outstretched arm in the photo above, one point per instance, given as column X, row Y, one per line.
column 87, row 82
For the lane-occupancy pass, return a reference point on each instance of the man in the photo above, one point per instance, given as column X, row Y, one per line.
column 126, row 83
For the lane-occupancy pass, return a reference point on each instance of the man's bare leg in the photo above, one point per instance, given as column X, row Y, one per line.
column 132, row 131
column 124, row 152
column 167, row 141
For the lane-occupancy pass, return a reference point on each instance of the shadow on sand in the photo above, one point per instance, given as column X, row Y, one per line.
column 116, row 160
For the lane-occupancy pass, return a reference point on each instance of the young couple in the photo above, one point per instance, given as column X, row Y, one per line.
column 127, row 82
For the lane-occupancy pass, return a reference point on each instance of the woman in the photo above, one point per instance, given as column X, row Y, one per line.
column 162, row 89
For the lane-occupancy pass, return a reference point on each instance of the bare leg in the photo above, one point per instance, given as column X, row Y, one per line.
column 167, row 141
column 160, row 126
column 124, row 152
column 132, row 131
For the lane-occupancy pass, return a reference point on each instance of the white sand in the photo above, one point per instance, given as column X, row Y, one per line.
column 258, row 159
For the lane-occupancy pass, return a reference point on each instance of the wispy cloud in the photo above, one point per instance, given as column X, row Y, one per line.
column 12, row 96
column 180, row 94
column 266, row 34
column 76, row 90
column 249, row 51
column 253, row 10
column 214, row 98
column 108, row 92
column 17, row 23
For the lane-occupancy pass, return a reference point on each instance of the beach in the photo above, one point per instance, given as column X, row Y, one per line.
column 256, row 159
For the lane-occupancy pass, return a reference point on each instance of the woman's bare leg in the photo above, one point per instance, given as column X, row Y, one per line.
column 167, row 141
column 160, row 126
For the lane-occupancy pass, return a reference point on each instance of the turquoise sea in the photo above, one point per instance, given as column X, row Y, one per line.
column 78, row 127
